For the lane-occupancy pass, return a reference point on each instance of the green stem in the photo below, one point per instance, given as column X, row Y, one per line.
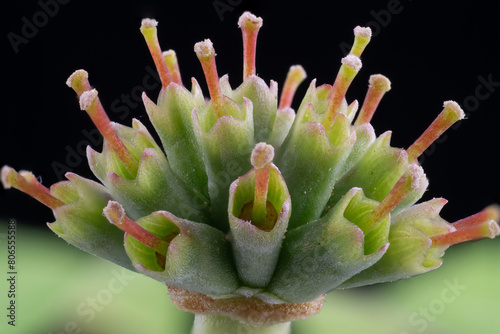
column 216, row 324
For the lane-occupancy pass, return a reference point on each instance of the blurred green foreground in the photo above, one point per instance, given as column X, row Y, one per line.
column 61, row 290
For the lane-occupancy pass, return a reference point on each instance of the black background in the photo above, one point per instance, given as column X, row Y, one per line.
column 432, row 52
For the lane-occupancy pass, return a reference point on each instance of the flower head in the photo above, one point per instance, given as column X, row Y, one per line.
column 244, row 200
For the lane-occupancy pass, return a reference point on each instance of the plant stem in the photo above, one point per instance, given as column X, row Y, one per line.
column 216, row 324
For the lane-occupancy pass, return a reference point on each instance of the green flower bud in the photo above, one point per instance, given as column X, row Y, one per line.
column 77, row 205
column 176, row 251
column 330, row 250
column 259, row 210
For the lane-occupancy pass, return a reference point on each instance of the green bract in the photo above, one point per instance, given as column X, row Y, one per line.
column 248, row 203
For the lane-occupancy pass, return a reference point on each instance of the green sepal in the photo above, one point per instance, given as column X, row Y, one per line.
column 284, row 120
column 310, row 163
column 410, row 252
column 256, row 251
column 154, row 187
column 319, row 256
column 412, row 197
column 198, row 259
column 80, row 222
column 377, row 172
column 227, row 147
column 365, row 137
column 264, row 100
column 171, row 118
column 135, row 139
column 318, row 97
column 143, row 255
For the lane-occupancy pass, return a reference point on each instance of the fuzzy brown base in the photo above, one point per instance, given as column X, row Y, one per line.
column 251, row 311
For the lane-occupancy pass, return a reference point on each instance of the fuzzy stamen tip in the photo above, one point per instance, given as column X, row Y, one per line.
column 204, row 49
column 87, row 98
column 262, row 155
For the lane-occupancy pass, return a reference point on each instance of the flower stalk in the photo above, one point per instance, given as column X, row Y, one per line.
column 216, row 324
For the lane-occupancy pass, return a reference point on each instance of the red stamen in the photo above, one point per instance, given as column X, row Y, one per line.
column 173, row 66
column 89, row 101
column 362, row 37
column 261, row 159
column 379, row 85
column 115, row 213
column 485, row 229
column 450, row 114
column 149, row 31
column 295, row 76
column 206, row 54
column 250, row 25
column 350, row 67
column 490, row 213
column 410, row 181
column 27, row 183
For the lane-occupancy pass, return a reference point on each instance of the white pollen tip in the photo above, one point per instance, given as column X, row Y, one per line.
column 262, row 155
column 5, row 177
column 417, row 176
column 494, row 212
column 29, row 176
column 363, row 32
column 114, row 212
column 169, row 53
column 149, row 23
column 77, row 75
column 380, row 81
column 248, row 18
column 352, row 61
column 204, row 49
column 452, row 105
column 299, row 71
column 493, row 229
column 87, row 98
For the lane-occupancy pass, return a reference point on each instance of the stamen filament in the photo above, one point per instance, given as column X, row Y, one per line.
column 261, row 158
column 206, row 54
column 362, row 37
column 115, row 213
column 173, row 66
column 89, row 101
column 295, row 76
column 411, row 180
column 149, row 31
column 378, row 86
column 486, row 229
column 450, row 115
column 250, row 25
column 27, row 183
column 490, row 213
column 350, row 67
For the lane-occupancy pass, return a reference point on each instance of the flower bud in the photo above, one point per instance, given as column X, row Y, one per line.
column 326, row 252
column 177, row 252
column 259, row 210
